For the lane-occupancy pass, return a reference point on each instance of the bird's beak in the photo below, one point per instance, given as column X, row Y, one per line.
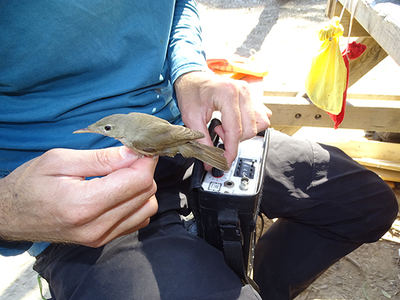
column 83, row 130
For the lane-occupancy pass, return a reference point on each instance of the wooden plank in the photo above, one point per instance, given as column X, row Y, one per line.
column 387, row 175
column 370, row 58
column 367, row 115
column 330, row 8
column 359, row 96
column 372, row 153
column 373, row 97
column 380, row 19
column 379, row 164
column 280, row 93
column 393, row 233
column 334, row 8
column 289, row 130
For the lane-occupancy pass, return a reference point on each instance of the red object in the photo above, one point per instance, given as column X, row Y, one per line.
column 352, row 51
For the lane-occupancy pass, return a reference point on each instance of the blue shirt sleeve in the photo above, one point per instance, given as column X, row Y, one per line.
column 185, row 52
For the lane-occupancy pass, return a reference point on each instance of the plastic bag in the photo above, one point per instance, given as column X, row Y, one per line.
column 326, row 81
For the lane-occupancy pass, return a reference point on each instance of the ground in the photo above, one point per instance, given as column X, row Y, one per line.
column 282, row 34
column 371, row 272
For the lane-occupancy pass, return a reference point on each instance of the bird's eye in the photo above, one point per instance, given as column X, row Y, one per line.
column 107, row 128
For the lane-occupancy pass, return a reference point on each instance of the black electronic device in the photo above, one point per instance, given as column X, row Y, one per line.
column 226, row 204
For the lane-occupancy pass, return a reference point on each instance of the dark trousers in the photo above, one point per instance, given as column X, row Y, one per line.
column 326, row 204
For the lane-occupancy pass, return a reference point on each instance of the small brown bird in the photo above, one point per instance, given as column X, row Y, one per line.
column 150, row 135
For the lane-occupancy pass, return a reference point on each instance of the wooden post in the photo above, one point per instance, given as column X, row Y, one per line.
column 360, row 66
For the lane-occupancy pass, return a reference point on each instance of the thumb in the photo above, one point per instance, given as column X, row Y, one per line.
column 87, row 163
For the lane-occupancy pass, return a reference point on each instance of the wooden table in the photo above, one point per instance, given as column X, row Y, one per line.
column 377, row 25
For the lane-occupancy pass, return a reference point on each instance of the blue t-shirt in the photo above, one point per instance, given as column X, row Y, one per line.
column 65, row 64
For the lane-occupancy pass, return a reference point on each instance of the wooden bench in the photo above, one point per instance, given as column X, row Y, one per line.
column 377, row 25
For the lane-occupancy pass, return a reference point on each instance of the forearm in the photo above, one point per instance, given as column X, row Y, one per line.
column 48, row 199
column 5, row 208
column 7, row 246
column 12, row 201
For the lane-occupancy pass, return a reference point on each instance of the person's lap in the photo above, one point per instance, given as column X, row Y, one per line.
column 321, row 186
column 162, row 261
column 326, row 204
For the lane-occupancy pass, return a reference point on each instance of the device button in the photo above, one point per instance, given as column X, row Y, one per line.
column 217, row 172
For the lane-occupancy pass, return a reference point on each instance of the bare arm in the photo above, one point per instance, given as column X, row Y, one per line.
column 48, row 198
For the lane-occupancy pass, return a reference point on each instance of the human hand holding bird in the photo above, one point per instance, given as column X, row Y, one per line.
column 150, row 136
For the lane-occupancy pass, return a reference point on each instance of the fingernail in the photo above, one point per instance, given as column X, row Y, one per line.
column 127, row 153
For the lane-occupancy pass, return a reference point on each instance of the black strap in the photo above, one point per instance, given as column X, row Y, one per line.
column 232, row 243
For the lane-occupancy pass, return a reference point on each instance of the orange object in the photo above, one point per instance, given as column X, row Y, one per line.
column 237, row 68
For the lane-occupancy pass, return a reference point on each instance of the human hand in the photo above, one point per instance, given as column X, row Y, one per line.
column 199, row 94
column 48, row 198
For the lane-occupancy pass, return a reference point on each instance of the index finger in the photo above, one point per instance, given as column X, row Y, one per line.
column 231, row 129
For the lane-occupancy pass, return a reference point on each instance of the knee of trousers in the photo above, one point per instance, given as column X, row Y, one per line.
column 381, row 209
column 362, row 214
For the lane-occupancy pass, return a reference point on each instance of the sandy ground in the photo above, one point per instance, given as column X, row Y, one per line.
column 282, row 33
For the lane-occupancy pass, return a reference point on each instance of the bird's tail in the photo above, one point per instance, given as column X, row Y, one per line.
column 212, row 156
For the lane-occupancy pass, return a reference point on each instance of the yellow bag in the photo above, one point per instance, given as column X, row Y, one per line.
column 326, row 81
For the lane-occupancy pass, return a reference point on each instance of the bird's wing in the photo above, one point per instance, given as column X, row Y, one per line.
column 157, row 134
column 180, row 133
column 173, row 135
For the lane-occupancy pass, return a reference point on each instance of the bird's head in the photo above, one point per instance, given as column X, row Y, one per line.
column 109, row 126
